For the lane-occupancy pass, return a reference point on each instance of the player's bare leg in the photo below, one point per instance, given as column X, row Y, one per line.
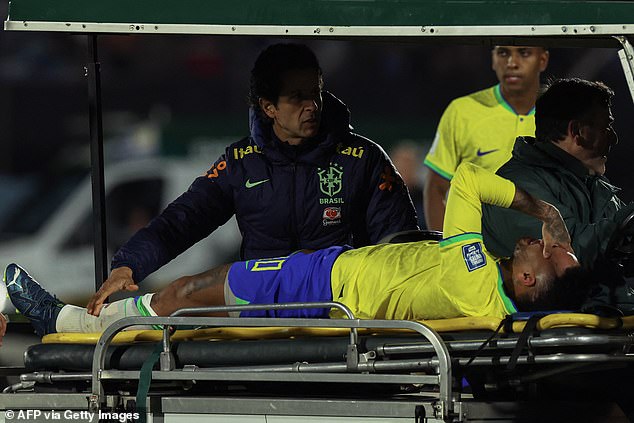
column 201, row 290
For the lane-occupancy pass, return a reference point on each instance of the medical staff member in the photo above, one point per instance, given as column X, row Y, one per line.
column 301, row 180
column 481, row 127
column 565, row 164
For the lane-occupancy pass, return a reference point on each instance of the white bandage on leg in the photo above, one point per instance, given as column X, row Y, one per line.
column 75, row 319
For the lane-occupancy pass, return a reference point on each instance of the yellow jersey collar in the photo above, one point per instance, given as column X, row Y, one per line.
column 509, row 305
column 500, row 98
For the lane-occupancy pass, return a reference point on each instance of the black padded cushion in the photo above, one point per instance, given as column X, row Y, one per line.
column 413, row 235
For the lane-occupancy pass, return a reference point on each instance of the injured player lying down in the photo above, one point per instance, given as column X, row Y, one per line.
column 419, row 280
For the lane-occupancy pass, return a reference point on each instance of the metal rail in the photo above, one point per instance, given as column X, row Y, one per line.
column 626, row 55
column 354, row 337
column 433, row 32
column 444, row 407
column 624, row 342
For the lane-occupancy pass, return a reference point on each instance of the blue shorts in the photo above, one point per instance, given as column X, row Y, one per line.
column 299, row 277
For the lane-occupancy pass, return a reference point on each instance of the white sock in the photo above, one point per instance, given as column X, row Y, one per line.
column 75, row 319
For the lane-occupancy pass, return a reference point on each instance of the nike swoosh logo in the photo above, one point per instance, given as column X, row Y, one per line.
column 250, row 184
column 484, row 153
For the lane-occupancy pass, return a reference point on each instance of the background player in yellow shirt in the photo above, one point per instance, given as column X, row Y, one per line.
column 481, row 128
column 421, row 280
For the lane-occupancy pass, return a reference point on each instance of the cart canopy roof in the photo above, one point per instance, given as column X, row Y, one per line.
column 428, row 19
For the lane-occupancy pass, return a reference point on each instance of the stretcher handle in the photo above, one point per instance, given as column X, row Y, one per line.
column 354, row 336
column 255, row 307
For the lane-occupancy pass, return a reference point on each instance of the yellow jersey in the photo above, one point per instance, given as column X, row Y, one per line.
column 432, row 280
column 480, row 128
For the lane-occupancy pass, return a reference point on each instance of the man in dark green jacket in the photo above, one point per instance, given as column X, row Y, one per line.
column 565, row 165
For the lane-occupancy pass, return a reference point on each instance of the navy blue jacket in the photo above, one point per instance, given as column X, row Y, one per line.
column 339, row 188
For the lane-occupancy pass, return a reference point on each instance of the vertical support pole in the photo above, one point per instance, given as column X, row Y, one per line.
column 93, row 73
column 626, row 54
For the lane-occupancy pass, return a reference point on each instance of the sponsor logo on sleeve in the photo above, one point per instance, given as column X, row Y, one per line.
column 389, row 179
column 220, row 166
column 473, row 256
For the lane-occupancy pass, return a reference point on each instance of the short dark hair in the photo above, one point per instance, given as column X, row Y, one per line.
column 270, row 66
column 567, row 292
column 544, row 48
column 564, row 100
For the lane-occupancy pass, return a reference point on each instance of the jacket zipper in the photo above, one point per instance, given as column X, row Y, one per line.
column 294, row 236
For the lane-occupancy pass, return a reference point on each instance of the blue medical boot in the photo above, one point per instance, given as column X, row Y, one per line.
column 31, row 300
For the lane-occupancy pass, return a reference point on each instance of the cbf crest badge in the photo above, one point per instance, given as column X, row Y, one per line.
column 330, row 179
column 473, row 256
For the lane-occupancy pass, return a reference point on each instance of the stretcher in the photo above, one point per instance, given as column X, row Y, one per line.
column 263, row 369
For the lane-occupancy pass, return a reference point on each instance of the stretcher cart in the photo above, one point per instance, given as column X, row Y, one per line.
column 562, row 367
column 274, row 369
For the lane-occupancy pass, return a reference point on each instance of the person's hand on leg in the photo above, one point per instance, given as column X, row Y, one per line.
column 120, row 280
